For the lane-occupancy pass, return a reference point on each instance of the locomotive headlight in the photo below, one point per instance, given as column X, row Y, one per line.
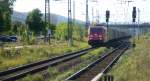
column 95, row 34
column 91, row 36
column 100, row 36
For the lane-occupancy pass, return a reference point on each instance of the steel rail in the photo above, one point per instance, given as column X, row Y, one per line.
column 21, row 71
column 98, row 76
column 99, row 61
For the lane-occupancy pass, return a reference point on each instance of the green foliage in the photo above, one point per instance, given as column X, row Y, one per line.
column 37, row 77
column 61, row 32
column 34, row 21
column 78, row 31
column 134, row 65
column 86, row 60
column 32, row 53
column 10, row 53
column 28, row 37
column 52, row 71
column 24, row 34
column 15, row 27
column 50, row 26
column 5, row 15
column 1, row 21
column 93, row 54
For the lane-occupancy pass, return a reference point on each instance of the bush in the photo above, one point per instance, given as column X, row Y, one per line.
column 78, row 32
column 134, row 65
column 61, row 32
column 37, row 77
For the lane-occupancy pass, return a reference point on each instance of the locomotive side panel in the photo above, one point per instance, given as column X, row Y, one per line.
column 99, row 35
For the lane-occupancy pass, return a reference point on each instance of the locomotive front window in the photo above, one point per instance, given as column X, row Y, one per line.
column 95, row 30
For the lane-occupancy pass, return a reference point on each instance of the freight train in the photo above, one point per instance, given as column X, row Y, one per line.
column 99, row 35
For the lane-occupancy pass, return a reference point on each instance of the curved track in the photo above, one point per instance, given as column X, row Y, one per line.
column 94, row 71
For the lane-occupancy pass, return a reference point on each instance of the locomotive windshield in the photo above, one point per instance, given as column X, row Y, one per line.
column 95, row 30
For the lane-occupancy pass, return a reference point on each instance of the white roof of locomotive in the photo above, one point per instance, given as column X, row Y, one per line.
column 98, row 27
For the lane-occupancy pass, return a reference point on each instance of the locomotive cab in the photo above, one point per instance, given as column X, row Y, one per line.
column 96, row 35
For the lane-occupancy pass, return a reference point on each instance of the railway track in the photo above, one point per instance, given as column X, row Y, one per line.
column 95, row 70
column 22, row 71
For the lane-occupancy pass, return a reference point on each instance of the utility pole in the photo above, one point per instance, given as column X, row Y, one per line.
column 87, row 14
column 126, row 16
column 70, row 41
column 74, row 12
column 128, row 2
column 92, row 16
column 47, row 17
column 139, row 31
column 98, row 17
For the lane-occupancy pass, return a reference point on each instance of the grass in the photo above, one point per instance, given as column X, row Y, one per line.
column 87, row 59
column 134, row 64
column 61, row 76
column 36, row 77
column 15, row 57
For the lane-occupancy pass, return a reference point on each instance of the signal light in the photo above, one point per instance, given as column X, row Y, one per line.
column 134, row 14
column 107, row 15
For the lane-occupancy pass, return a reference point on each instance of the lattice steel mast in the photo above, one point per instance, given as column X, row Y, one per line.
column 70, row 40
column 47, row 11
column 47, row 15
column 87, row 15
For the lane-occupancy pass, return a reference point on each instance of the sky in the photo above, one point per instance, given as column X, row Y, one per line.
column 120, row 10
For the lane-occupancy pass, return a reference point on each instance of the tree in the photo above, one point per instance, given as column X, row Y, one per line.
column 1, row 21
column 6, row 7
column 16, row 25
column 34, row 21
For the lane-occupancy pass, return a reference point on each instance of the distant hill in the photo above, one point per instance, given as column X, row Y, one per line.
column 55, row 19
column 19, row 16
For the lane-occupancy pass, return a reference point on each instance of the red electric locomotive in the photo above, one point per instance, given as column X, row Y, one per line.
column 96, row 35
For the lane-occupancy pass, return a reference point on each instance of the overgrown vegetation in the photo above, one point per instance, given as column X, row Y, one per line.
column 134, row 65
column 54, row 75
column 61, row 32
column 14, row 57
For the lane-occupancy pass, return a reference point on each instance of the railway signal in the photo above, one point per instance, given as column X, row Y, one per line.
column 107, row 15
column 134, row 14
column 134, row 20
column 107, row 20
